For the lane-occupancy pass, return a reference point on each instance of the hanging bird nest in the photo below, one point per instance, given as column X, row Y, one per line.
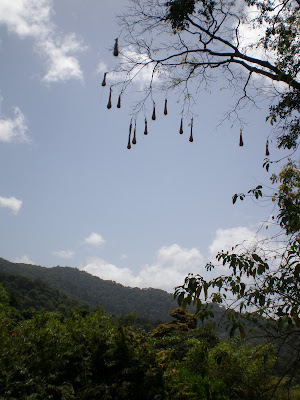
column 129, row 143
column 181, row 127
column 134, row 134
column 109, row 100
column 241, row 143
column 119, row 101
column 191, row 139
column 146, row 127
column 166, row 107
column 104, row 79
column 116, row 48
column 133, row 140
column 153, row 113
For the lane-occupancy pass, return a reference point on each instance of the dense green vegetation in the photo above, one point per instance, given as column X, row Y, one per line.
column 84, row 355
column 114, row 298
column 26, row 294
column 63, row 288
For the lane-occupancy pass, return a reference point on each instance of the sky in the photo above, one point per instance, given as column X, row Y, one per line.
column 72, row 194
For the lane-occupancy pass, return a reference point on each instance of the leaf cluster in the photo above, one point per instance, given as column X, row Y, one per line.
column 79, row 357
column 178, row 12
column 288, row 197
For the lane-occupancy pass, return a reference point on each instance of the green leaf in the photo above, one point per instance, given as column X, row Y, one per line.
column 184, row 303
column 205, row 291
column 261, row 300
column 256, row 258
column 180, row 298
column 242, row 331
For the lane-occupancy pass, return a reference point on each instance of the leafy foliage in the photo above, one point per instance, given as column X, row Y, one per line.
column 183, row 322
column 273, row 293
column 178, row 13
column 288, row 197
column 31, row 294
column 260, row 282
column 199, row 366
column 287, row 111
column 86, row 356
column 77, row 357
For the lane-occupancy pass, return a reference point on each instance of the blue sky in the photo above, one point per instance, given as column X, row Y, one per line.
column 70, row 191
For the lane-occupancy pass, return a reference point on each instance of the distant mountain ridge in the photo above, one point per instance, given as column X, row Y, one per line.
column 114, row 298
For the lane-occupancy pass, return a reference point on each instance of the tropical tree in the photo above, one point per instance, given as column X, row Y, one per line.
column 261, row 283
column 263, row 279
column 186, row 45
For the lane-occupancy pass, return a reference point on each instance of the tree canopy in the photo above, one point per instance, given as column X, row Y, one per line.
column 186, row 45
column 253, row 46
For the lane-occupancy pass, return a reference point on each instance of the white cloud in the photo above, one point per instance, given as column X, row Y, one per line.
column 173, row 263
column 12, row 203
column 107, row 271
column 27, row 17
column 32, row 18
column 101, row 68
column 61, row 65
column 13, row 130
column 227, row 238
column 178, row 257
column 24, row 260
column 132, row 65
column 171, row 266
column 66, row 254
column 94, row 239
column 138, row 63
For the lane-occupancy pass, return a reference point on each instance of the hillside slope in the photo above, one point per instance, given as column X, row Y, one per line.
column 34, row 294
column 114, row 298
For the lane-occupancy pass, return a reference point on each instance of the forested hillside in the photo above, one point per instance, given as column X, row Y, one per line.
column 89, row 355
column 27, row 294
column 153, row 304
